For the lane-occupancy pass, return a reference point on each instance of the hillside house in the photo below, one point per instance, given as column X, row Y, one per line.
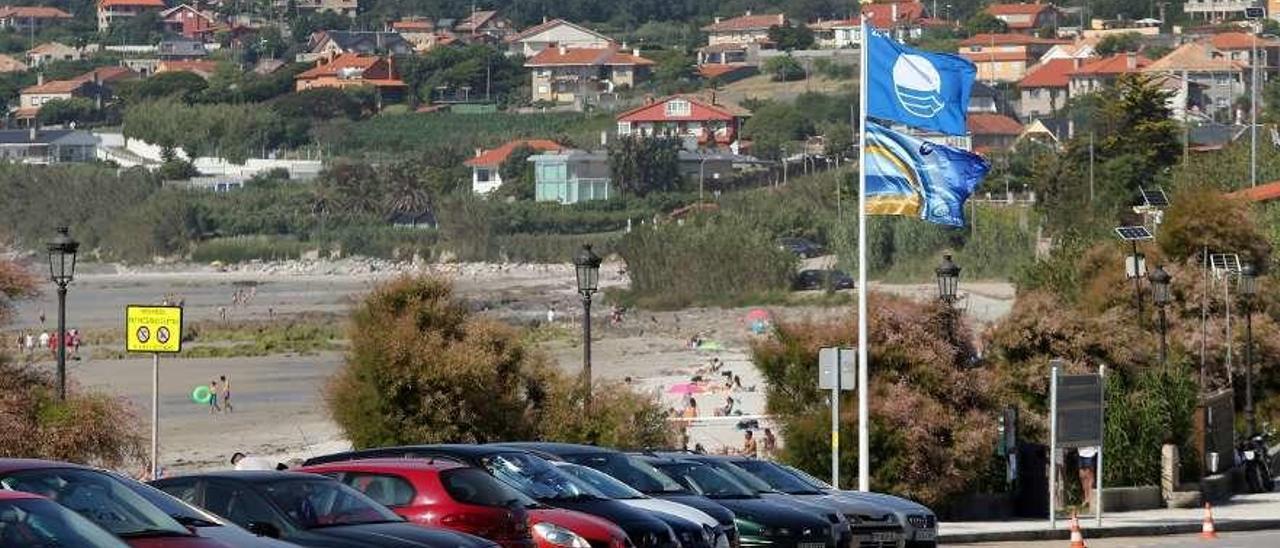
column 1216, row 10
column 190, row 22
column 1222, row 78
column 47, row 146
column 1096, row 74
column 1239, row 46
column 1045, row 88
column 1004, row 57
column 905, row 19
column 572, row 75
column 110, row 11
column 353, row 70
column 176, row 48
column 329, row 43
column 201, row 68
column 738, row 40
column 837, row 34
column 31, row 18
column 9, row 64
column 419, row 32
column 52, row 51
column 570, row 176
column 992, row 132
column 486, row 166
column 340, row 7
column 1025, row 18
column 484, row 26
column 95, row 84
column 556, row 32
column 704, row 121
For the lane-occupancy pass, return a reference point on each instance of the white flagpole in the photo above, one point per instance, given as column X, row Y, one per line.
column 864, row 436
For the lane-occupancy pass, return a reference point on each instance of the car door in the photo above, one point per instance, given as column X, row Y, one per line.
column 239, row 504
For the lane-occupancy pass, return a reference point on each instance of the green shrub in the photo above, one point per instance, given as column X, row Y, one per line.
column 241, row 249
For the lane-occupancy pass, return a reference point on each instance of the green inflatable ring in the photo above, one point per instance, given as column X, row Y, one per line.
column 201, row 394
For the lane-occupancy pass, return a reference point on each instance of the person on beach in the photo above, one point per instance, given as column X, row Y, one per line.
column 691, row 410
column 226, row 394
column 213, row 398
column 770, row 446
column 749, row 445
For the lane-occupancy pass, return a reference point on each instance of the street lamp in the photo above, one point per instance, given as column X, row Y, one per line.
column 948, row 277
column 1249, row 289
column 62, row 268
column 587, row 265
column 1162, row 297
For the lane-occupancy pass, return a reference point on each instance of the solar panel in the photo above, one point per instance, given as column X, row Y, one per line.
column 1154, row 197
column 1133, row 233
column 1225, row 262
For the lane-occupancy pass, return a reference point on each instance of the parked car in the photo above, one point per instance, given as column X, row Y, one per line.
column 308, row 510
column 31, row 520
column 537, row 478
column 919, row 523
column 637, row 474
column 814, row 279
column 102, row 498
column 201, row 522
column 800, row 247
column 760, row 522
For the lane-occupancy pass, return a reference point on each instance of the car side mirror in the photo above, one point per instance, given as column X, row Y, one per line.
column 264, row 529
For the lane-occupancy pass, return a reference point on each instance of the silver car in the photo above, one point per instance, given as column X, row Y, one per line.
column 919, row 523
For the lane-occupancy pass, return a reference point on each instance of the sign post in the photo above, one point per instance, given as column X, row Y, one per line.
column 836, row 372
column 157, row 330
column 1075, row 421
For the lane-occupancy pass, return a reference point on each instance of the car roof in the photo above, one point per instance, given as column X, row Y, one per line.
column 13, row 465
column 249, row 476
column 449, row 450
column 557, row 448
column 17, row 495
column 387, row 465
column 663, row 458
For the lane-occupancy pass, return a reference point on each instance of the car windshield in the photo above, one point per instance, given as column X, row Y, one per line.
column 313, row 504
column 752, row 482
column 180, row 511
column 537, row 478
column 103, row 499
column 777, row 477
column 632, row 471
column 473, row 486
column 707, row 481
column 40, row 523
column 610, row 487
column 807, row 478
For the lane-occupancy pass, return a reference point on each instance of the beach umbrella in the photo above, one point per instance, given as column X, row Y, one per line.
column 757, row 315
column 684, row 388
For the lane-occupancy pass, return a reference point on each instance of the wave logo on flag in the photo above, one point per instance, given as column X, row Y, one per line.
column 909, row 176
column 918, row 85
column 918, row 88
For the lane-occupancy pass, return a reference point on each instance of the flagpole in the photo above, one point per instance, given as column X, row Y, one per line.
column 864, row 437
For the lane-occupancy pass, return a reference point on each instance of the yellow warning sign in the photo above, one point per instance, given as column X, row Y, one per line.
column 153, row 328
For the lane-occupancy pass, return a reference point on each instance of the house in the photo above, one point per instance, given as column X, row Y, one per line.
column 110, row 11
column 201, row 68
column 1223, row 79
column 1005, row 57
column 984, row 98
column 1045, row 88
column 9, row 64
column 354, row 70
column 485, row 166
column 484, row 26
column 190, row 22
column 707, row 121
column 556, row 32
column 1096, row 74
column 181, row 48
column 569, row 75
column 1239, row 46
column 837, row 34
column 992, row 132
column 1025, row 18
column 328, row 43
column 52, row 51
column 905, row 19
column 745, row 29
column 340, row 7
column 31, row 98
column 1216, row 10
column 570, row 176
column 420, row 33
column 29, row 18
column 1078, row 50
column 47, row 146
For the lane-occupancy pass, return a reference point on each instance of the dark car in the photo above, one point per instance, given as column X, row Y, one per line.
column 760, row 522
column 800, row 247
column 814, row 279
column 308, row 510
column 105, row 499
column 203, row 523
column 537, row 478
column 919, row 523
column 32, row 520
column 638, row 474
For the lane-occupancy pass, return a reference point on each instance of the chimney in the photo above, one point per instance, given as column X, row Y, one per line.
column 713, row 98
column 1076, row 62
column 479, row 151
column 40, row 79
column 1131, row 61
column 544, row 19
column 563, row 50
column 717, row 19
column 747, row 14
column 893, row 12
column 635, row 52
column 648, row 99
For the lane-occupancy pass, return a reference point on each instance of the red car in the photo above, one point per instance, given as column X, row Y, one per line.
column 32, row 520
column 448, row 494
column 102, row 498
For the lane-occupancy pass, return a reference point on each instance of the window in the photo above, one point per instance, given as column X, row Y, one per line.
column 238, row 504
column 471, row 486
column 387, row 490
column 543, row 90
column 482, row 176
column 677, row 107
column 624, row 128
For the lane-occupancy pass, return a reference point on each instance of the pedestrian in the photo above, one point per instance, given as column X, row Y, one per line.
column 244, row 462
column 213, row 398
column 44, row 339
column 749, row 445
column 727, row 409
column 226, row 394
column 31, row 342
column 41, row 317
column 691, row 410
column 73, row 339
column 770, row 446
column 551, row 315
column 1088, row 461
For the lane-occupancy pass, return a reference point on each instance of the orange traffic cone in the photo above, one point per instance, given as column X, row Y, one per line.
column 1077, row 540
column 1207, row 531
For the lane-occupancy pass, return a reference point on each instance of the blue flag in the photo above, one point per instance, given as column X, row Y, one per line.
column 910, row 176
column 917, row 88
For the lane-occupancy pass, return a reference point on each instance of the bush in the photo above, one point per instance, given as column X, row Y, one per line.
column 784, row 68
column 247, row 248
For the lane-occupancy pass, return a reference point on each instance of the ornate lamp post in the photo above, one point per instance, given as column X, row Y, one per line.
column 587, row 265
column 1160, row 294
column 1249, row 289
column 62, row 269
column 948, row 278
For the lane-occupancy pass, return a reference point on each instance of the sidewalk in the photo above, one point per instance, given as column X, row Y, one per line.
column 1241, row 513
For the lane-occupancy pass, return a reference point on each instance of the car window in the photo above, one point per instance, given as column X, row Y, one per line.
column 385, row 489
column 323, row 503
column 603, row 482
column 705, row 480
column 472, row 486
column 776, row 477
column 38, row 522
column 629, row 470
column 183, row 490
column 238, row 504
column 100, row 497
column 536, row 477
column 743, row 477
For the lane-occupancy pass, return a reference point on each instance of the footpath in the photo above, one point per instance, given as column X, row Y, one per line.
column 1241, row 513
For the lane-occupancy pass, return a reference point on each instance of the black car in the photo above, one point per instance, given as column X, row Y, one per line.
column 636, row 473
column 814, row 279
column 760, row 522
column 308, row 510
column 800, row 247
column 537, row 478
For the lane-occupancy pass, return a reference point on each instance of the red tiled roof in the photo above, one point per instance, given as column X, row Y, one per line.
column 700, row 109
column 1009, row 40
column 55, row 86
column 1261, row 193
column 996, row 56
column 985, row 123
column 1115, row 64
column 475, row 20
column 747, row 22
column 713, row 71
column 834, row 24
column 550, row 25
column 413, row 25
column 345, row 60
column 50, row 47
column 550, row 57
column 1054, row 73
column 497, row 156
column 107, row 74
column 1017, row 9
column 881, row 14
column 33, row 12
column 138, row 3
column 201, row 67
column 1239, row 41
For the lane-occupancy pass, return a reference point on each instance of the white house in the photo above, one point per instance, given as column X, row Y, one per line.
column 556, row 32
column 486, row 166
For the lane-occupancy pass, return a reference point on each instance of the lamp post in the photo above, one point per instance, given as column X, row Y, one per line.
column 948, row 277
column 587, row 265
column 1161, row 295
column 1249, row 289
column 62, row 268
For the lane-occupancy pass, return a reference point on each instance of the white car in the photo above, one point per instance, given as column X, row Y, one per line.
column 625, row 494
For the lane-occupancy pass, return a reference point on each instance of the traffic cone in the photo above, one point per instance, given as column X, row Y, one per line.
column 1207, row 530
column 1077, row 540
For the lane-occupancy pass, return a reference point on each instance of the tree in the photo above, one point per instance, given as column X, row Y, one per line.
column 784, row 68
column 184, row 85
column 1112, row 44
column 641, row 165
column 773, row 125
column 517, row 174
column 676, row 67
column 789, row 37
column 985, row 23
column 77, row 110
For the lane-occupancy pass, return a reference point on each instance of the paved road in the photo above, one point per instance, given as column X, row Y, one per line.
column 1256, row 539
